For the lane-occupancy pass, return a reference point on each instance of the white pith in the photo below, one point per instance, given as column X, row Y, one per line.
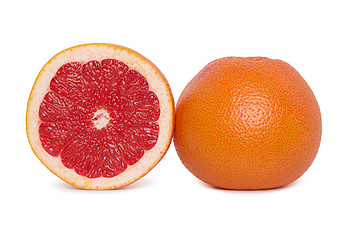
column 157, row 84
column 101, row 118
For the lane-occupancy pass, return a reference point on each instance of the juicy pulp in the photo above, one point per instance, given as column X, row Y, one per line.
column 99, row 117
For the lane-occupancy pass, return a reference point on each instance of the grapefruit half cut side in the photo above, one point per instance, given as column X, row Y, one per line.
column 100, row 116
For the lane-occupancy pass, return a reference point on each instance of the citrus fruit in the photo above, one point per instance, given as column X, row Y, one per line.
column 100, row 116
column 247, row 123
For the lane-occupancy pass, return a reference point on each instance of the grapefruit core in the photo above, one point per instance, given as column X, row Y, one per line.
column 100, row 116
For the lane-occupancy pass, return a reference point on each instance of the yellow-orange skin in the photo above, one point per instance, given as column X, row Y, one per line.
column 247, row 123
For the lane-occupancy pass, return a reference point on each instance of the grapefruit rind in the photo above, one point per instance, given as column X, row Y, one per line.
column 157, row 84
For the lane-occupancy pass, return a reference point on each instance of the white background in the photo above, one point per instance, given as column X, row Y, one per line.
column 319, row 38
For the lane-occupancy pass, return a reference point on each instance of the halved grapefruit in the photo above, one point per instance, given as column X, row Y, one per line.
column 100, row 116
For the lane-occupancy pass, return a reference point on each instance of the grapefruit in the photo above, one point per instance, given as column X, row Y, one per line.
column 247, row 123
column 100, row 116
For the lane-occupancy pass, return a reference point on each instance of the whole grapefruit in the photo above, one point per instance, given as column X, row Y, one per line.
column 247, row 123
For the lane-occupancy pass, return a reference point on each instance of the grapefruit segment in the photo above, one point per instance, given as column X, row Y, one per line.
column 55, row 108
column 68, row 83
column 144, row 133
column 100, row 116
column 135, row 82
column 54, row 135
